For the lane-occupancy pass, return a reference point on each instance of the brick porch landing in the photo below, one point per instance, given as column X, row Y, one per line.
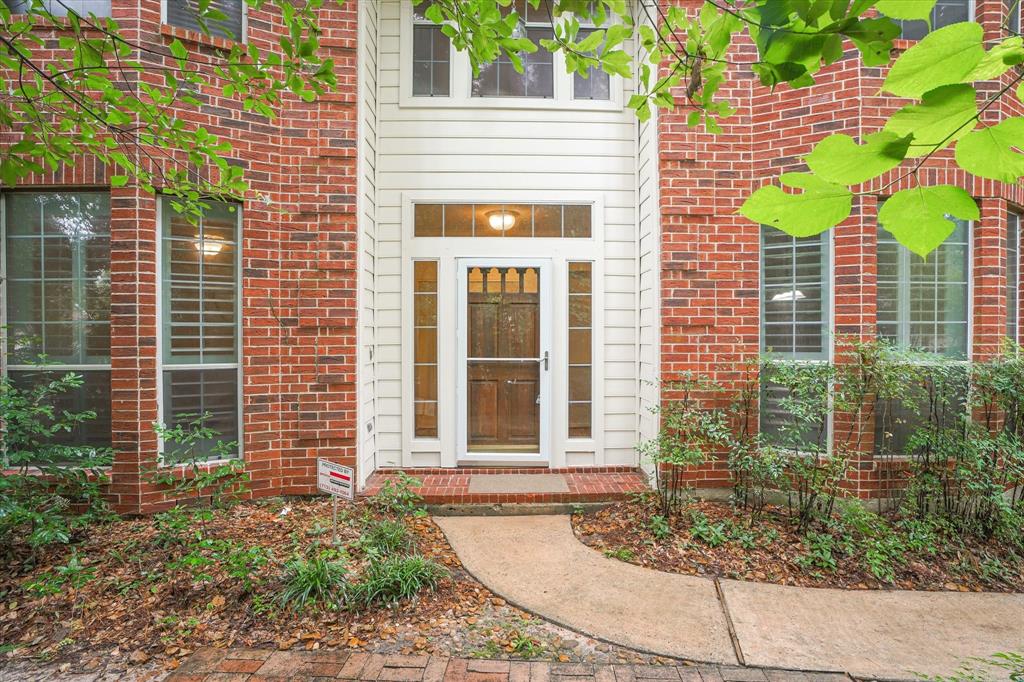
column 456, row 486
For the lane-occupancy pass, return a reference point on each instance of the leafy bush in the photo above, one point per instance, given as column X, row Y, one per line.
column 660, row 527
column 64, row 493
column 391, row 579
column 711, row 534
column 318, row 579
column 688, row 433
column 398, row 495
column 193, row 443
column 386, row 537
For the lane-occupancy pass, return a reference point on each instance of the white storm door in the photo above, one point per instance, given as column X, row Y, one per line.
column 504, row 360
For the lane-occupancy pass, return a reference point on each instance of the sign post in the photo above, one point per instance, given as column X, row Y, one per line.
column 336, row 481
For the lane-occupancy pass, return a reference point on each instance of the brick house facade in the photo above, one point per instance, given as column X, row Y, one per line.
column 324, row 359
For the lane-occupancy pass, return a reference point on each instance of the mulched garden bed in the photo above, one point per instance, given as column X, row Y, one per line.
column 124, row 603
column 771, row 550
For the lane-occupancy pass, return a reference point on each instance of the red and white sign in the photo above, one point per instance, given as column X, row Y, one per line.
column 334, row 479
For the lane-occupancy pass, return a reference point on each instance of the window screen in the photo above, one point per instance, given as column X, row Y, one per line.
column 185, row 14
column 922, row 302
column 199, row 298
column 431, row 56
column 597, row 84
column 944, row 13
column 57, row 299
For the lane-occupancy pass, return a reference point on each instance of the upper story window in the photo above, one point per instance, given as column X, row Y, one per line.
column 431, row 56
column 1013, row 276
column 60, row 8
column 227, row 20
column 57, row 299
column 922, row 302
column 944, row 13
column 500, row 79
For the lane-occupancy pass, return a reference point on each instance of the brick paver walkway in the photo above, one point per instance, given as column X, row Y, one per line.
column 256, row 665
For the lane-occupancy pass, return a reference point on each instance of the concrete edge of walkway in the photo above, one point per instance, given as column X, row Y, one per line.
column 884, row 635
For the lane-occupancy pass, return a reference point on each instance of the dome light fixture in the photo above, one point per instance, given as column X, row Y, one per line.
column 209, row 246
column 503, row 220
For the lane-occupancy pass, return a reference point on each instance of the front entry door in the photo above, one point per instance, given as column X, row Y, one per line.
column 504, row 339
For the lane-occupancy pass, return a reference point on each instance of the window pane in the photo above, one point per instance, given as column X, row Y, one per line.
column 200, row 290
column 500, row 79
column 779, row 426
column 514, row 221
column 944, row 13
column 430, row 61
column 93, row 395
column 1013, row 12
column 60, row 8
column 1013, row 278
column 189, row 393
column 597, row 84
column 58, row 265
column 922, row 302
column 794, row 294
column 425, row 348
column 184, row 15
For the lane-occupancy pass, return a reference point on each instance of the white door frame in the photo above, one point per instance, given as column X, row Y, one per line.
column 544, row 267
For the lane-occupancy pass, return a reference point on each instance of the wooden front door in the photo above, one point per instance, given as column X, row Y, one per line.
column 505, row 359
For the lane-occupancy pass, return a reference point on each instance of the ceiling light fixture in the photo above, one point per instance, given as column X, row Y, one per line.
column 502, row 220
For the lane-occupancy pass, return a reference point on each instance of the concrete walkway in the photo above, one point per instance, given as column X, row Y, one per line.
column 536, row 563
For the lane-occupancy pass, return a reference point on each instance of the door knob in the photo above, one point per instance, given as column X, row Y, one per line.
column 545, row 361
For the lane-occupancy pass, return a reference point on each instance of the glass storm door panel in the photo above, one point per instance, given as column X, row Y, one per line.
column 504, row 351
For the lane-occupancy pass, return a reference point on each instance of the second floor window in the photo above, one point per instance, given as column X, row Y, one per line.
column 1013, row 12
column 597, row 84
column 944, row 13
column 431, row 56
column 500, row 79
column 61, row 8
column 185, row 14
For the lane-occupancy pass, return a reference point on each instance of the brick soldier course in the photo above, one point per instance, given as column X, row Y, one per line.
column 256, row 665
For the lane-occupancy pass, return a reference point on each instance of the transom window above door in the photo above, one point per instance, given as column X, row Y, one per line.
column 502, row 220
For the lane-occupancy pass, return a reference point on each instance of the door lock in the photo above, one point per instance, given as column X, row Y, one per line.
column 545, row 361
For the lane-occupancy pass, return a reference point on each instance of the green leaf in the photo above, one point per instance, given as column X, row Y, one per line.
column 839, row 159
column 942, row 57
column 118, row 180
column 820, row 206
column 178, row 50
column 994, row 152
column 906, row 9
column 944, row 115
column 998, row 60
column 919, row 217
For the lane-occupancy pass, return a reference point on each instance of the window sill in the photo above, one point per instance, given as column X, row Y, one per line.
column 508, row 103
column 197, row 37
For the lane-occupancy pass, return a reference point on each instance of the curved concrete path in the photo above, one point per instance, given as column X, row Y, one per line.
column 537, row 563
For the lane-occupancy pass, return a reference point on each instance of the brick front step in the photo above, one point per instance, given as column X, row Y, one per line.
column 452, row 486
column 252, row 665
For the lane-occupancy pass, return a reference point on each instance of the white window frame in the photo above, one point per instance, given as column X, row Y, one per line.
column 829, row 350
column 161, row 365
column 461, row 83
column 242, row 40
column 441, row 451
column 1017, row 248
column 5, row 366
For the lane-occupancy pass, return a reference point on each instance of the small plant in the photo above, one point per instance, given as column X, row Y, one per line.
column 660, row 527
column 711, row 534
column 392, row 579
column 73, row 575
column 193, row 443
column 386, row 537
column 317, row 580
column 524, row 646
column 622, row 554
column 818, row 554
column 398, row 495
column 1002, row 665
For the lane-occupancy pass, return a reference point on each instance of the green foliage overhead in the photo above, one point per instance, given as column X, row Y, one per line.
column 942, row 57
column 839, row 159
column 994, row 152
column 944, row 115
column 906, row 9
column 821, row 205
column 918, row 217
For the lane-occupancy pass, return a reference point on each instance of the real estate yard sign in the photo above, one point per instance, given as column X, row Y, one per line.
column 335, row 480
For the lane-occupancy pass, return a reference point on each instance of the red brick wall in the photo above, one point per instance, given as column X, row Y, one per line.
column 710, row 255
column 298, row 270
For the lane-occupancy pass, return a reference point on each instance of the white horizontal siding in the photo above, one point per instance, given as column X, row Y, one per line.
column 444, row 149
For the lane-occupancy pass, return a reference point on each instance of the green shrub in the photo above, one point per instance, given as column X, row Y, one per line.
column 386, row 537
column 711, row 534
column 660, row 527
column 818, row 552
column 398, row 495
column 317, row 580
column 392, row 579
column 49, row 508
